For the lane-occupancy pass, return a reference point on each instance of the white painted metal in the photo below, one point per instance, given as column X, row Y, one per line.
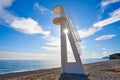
column 69, row 67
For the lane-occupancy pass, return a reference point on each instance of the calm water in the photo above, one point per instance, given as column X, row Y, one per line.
column 8, row 66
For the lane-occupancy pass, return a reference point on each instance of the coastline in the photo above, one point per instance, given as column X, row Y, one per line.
column 100, row 70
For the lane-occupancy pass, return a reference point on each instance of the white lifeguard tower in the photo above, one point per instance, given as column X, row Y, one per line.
column 66, row 23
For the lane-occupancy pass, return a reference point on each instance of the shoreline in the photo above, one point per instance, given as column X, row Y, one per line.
column 98, row 70
column 22, row 71
column 48, row 68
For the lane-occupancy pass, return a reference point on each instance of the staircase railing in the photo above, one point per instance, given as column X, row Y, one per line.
column 75, row 35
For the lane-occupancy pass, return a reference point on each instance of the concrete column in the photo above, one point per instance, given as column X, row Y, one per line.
column 63, row 47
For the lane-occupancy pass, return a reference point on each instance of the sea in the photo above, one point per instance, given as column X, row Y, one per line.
column 10, row 66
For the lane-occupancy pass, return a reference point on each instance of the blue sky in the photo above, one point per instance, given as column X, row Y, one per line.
column 27, row 31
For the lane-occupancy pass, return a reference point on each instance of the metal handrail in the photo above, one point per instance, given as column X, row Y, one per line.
column 75, row 34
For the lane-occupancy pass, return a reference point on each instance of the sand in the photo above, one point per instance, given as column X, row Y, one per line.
column 107, row 70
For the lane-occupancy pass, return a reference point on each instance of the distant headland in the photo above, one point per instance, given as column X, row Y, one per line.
column 114, row 56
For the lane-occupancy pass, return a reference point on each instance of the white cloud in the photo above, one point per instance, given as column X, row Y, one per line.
column 88, row 32
column 42, row 8
column 105, row 3
column 114, row 17
column 103, row 48
column 53, row 41
column 52, row 44
column 107, row 21
column 91, row 55
column 96, row 54
column 115, row 13
column 5, row 15
column 106, row 53
column 105, row 37
column 28, row 26
column 24, row 25
column 25, row 56
column 5, row 3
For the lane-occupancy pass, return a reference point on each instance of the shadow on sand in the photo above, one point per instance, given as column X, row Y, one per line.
column 66, row 76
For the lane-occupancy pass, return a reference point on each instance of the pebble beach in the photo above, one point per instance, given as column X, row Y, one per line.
column 106, row 70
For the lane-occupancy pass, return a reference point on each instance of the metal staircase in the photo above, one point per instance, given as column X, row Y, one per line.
column 75, row 36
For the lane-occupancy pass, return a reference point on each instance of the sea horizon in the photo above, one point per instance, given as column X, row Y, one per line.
column 11, row 66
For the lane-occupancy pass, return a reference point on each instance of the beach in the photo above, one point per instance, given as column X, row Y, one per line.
column 106, row 70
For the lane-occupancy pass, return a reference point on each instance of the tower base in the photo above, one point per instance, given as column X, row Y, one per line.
column 73, row 67
column 69, row 76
